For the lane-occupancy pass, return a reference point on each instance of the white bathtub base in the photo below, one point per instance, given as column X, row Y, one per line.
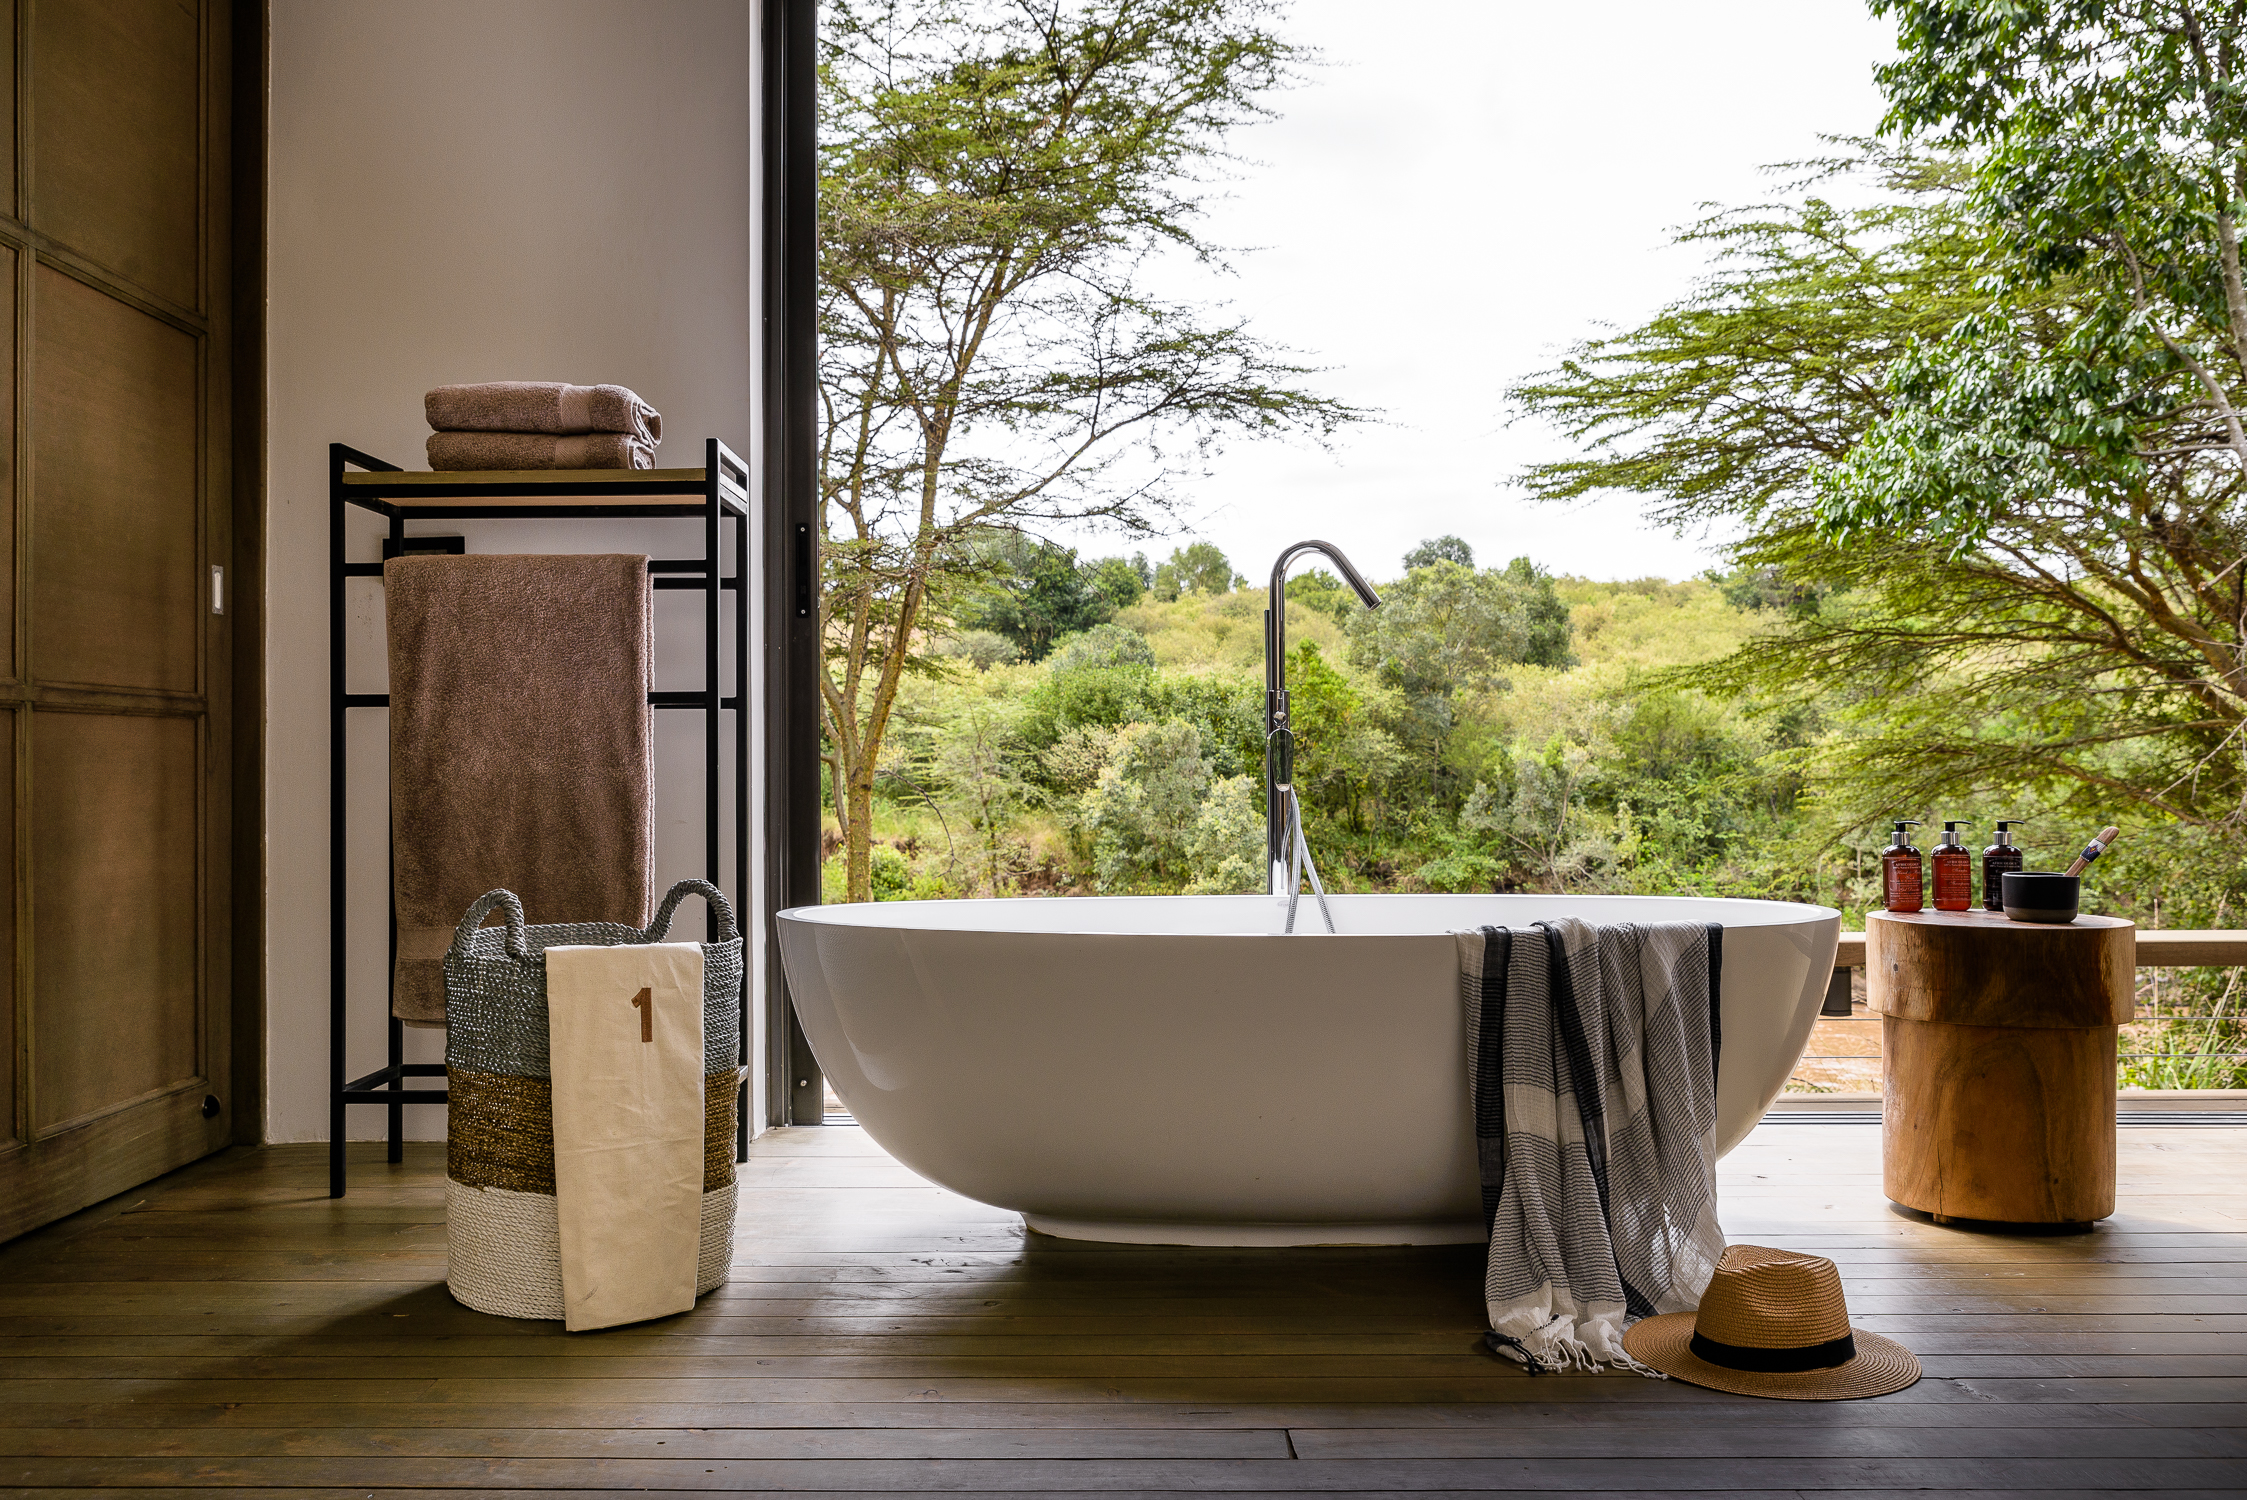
column 1256, row 1236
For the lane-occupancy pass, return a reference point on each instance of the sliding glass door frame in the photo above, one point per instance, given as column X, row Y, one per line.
column 795, row 1090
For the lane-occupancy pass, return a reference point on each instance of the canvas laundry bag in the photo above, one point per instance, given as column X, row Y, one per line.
column 625, row 1026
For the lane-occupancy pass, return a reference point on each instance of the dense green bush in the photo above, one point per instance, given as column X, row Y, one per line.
column 1130, row 759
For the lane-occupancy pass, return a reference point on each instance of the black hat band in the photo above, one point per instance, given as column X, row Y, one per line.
column 1777, row 1361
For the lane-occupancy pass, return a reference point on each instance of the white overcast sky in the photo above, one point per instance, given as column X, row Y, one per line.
column 1461, row 190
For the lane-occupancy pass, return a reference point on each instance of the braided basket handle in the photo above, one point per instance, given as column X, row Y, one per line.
column 518, row 945
column 720, row 908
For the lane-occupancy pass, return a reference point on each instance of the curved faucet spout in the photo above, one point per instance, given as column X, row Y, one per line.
column 1279, row 735
column 1275, row 612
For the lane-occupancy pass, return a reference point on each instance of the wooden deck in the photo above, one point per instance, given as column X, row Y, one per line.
column 231, row 1329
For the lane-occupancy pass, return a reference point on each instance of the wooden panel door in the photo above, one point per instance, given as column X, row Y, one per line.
column 113, row 473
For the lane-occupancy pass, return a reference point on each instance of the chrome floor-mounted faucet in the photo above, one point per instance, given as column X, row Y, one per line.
column 1283, row 821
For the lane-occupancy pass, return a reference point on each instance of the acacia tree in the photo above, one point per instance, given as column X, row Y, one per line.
column 2012, row 543
column 997, row 179
column 2101, row 396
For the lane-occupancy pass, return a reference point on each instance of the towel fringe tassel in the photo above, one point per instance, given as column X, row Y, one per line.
column 1506, row 1346
column 1561, row 1353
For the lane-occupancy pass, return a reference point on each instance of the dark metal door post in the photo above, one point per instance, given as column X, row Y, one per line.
column 795, row 1090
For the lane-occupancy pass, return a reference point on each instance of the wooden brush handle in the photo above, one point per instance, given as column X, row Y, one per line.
column 2094, row 849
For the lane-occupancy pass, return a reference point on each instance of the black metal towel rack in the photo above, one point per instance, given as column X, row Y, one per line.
column 716, row 492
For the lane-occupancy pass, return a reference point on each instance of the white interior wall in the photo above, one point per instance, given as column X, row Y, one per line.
column 472, row 190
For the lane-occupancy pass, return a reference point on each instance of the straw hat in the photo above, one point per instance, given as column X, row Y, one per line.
column 1773, row 1323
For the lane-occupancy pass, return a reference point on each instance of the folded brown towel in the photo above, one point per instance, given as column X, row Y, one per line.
column 519, row 747
column 540, row 406
column 537, row 450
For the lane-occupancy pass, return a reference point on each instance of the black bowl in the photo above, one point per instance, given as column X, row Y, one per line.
column 2041, row 895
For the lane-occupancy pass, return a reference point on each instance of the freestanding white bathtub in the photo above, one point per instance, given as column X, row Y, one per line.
column 1172, row 1070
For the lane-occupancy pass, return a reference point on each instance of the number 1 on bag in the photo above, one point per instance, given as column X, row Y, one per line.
column 644, row 1003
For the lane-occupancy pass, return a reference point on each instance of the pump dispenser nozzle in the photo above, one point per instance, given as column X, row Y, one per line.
column 1998, row 859
column 1901, row 886
column 1953, row 870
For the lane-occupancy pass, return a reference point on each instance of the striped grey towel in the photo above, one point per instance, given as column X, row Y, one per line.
column 1592, row 1061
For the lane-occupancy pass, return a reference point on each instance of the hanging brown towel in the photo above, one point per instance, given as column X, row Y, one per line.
column 519, row 747
column 625, row 1029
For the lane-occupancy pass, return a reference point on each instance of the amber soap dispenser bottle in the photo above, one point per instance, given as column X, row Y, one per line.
column 1902, row 878
column 1954, row 872
column 1998, row 858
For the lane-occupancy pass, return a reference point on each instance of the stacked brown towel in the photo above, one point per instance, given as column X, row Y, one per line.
column 519, row 747
column 540, row 406
column 536, row 450
column 540, row 424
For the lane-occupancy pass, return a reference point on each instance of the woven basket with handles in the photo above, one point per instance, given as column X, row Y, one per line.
column 502, row 1234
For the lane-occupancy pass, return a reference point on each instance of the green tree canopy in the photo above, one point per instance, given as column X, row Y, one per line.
column 1445, row 633
column 1323, row 592
column 1198, row 568
column 1103, row 646
column 1440, row 549
column 1034, row 593
column 1144, row 809
column 2110, row 160
column 2064, row 637
column 1122, row 581
column 1445, row 627
column 1342, row 753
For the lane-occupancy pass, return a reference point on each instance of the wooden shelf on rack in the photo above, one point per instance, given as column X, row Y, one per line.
column 406, row 491
column 688, row 480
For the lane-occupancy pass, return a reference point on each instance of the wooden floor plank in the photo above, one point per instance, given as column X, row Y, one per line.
column 1235, row 1391
column 685, row 1354
column 111, row 1333
column 1698, row 1413
column 231, row 1330
column 358, row 1492
column 1721, row 1474
column 680, row 1443
column 1700, row 1441
column 1463, row 1361
column 1666, row 1439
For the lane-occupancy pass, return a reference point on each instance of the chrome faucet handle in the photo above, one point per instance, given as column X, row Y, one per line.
column 1279, row 757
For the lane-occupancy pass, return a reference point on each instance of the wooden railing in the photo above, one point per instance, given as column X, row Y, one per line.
column 2158, row 948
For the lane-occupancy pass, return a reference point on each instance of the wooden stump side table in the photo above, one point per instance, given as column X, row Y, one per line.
column 1998, row 1073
